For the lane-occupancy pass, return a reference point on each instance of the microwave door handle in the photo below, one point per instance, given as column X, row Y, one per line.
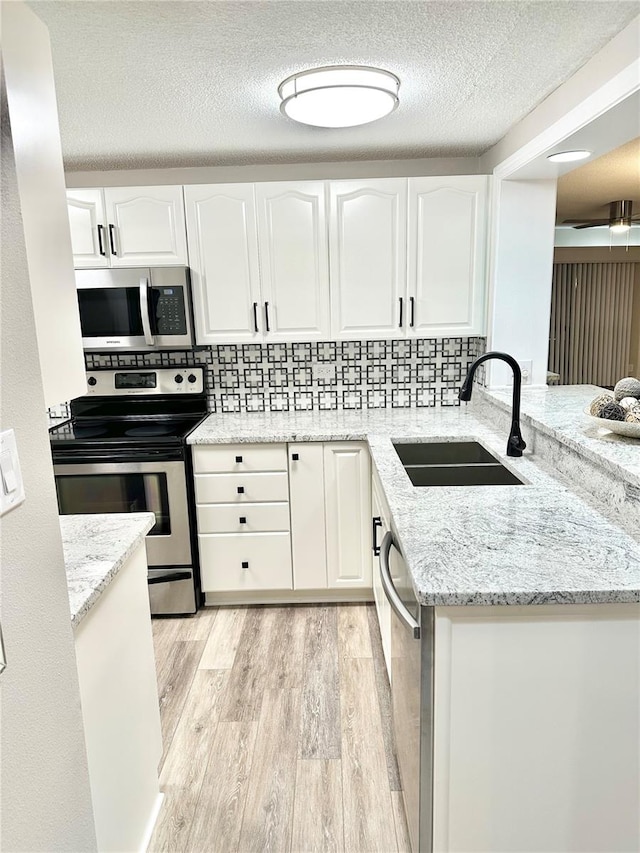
column 144, row 311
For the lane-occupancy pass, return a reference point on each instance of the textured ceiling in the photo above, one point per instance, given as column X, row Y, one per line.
column 586, row 191
column 148, row 84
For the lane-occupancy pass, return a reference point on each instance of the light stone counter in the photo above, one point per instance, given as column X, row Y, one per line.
column 532, row 544
column 95, row 548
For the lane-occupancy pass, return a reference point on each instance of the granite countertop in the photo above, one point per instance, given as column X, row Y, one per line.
column 538, row 543
column 558, row 411
column 95, row 549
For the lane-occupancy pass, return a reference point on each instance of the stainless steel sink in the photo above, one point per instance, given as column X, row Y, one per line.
column 453, row 463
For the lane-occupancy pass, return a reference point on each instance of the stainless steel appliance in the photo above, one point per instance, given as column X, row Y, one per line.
column 412, row 629
column 124, row 450
column 135, row 309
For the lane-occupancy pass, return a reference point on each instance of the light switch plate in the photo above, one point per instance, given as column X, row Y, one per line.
column 11, row 485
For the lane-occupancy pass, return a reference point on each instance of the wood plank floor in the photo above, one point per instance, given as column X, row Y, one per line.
column 277, row 733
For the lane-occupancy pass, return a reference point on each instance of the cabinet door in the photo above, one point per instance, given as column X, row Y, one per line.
column 306, row 490
column 367, row 242
column 446, row 254
column 223, row 255
column 294, row 260
column 87, row 221
column 146, row 226
column 348, row 514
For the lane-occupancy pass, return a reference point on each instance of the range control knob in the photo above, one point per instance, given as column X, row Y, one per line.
column 92, row 381
column 179, row 378
column 191, row 378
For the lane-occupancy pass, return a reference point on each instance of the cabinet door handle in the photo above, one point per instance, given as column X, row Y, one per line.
column 243, row 519
column 255, row 317
column 238, row 459
column 412, row 302
column 266, row 316
column 245, row 564
column 295, row 457
column 401, row 305
column 376, row 523
column 112, row 239
column 101, row 248
column 241, row 490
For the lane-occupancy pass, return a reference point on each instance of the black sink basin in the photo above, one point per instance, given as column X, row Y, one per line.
column 453, row 463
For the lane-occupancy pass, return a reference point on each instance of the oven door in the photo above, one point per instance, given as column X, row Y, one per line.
column 158, row 487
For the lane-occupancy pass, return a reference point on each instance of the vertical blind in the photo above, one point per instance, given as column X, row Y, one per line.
column 590, row 322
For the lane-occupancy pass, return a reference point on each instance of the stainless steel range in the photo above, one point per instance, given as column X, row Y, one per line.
column 124, row 450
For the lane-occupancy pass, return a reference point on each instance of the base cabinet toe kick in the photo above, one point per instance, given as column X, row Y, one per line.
column 516, row 728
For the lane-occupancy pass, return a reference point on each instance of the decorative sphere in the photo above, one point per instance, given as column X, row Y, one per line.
column 628, row 403
column 613, row 411
column 599, row 403
column 633, row 416
column 627, row 387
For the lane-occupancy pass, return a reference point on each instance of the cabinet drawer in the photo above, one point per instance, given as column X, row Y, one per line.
column 246, row 561
column 238, row 458
column 247, row 518
column 255, row 488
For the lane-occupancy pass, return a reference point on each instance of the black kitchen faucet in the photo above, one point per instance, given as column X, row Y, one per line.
column 515, row 444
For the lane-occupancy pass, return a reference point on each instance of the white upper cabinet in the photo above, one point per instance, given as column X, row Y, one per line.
column 446, row 256
column 146, row 226
column 368, row 258
column 88, row 228
column 294, row 268
column 223, row 254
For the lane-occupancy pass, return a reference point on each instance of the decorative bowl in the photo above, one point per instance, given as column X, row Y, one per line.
column 619, row 427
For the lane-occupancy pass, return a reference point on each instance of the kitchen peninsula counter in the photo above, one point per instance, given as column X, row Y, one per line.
column 537, row 543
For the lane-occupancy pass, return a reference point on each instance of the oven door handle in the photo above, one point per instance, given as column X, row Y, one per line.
column 169, row 576
column 144, row 311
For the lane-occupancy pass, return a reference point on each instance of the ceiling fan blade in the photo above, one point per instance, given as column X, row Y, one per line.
column 592, row 223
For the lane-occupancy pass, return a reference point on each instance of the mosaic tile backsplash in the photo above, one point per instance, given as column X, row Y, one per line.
column 333, row 375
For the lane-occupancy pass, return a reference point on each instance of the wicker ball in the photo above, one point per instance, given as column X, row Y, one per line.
column 627, row 387
column 599, row 403
column 629, row 403
column 613, row 412
column 633, row 416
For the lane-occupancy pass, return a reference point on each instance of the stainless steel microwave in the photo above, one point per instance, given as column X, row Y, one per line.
column 137, row 309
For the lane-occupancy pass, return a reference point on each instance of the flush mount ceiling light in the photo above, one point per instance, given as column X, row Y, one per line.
column 339, row 95
column 568, row 156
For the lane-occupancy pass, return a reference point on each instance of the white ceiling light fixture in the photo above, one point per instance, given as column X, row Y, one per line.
column 568, row 156
column 620, row 216
column 339, row 95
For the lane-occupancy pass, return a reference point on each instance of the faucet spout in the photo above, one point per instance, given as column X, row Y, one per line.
column 515, row 442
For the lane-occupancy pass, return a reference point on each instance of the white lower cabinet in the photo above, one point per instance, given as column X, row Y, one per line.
column 276, row 517
column 347, row 480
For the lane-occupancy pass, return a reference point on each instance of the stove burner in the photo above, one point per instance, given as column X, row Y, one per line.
column 89, row 431
column 148, row 430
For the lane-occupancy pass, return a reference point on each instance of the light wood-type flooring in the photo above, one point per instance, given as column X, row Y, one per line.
column 277, row 732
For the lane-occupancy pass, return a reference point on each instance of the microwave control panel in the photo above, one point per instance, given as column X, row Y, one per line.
column 171, row 318
column 145, row 381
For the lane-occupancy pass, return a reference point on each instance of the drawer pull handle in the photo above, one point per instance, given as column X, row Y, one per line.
column 241, row 490
column 243, row 519
column 238, row 458
column 295, row 456
column 245, row 564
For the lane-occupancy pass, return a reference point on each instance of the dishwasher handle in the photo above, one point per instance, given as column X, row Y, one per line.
column 390, row 591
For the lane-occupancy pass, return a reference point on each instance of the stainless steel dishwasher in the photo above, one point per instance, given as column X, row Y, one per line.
column 412, row 693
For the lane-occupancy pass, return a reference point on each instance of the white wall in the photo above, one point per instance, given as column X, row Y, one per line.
column 28, row 72
column 46, row 800
column 522, row 217
column 279, row 172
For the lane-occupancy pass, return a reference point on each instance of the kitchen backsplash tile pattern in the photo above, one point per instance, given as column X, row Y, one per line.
column 343, row 375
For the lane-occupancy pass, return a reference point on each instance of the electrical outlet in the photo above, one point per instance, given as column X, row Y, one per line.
column 527, row 372
column 324, row 372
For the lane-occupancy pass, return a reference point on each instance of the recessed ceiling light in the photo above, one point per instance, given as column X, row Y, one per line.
column 339, row 95
column 568, row 156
